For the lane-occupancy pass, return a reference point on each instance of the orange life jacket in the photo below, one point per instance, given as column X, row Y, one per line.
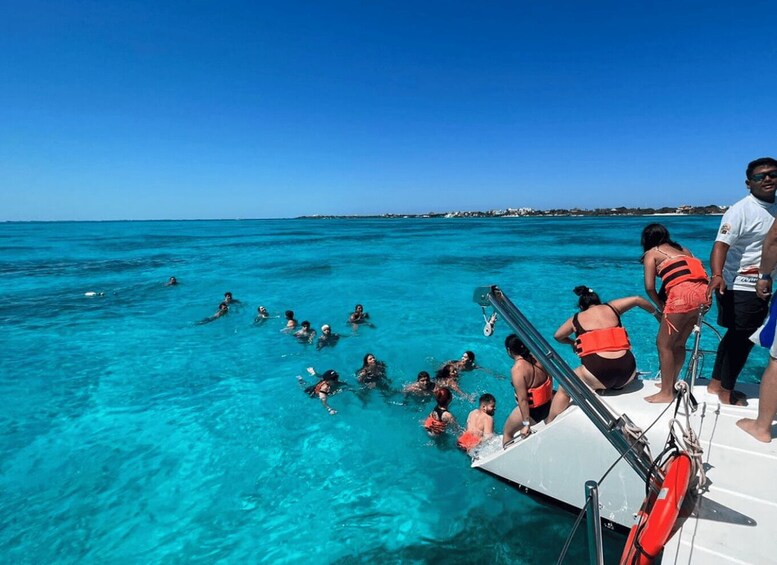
column 606, row 339
column 542, row 394
column 433, row 425
column 682, row 269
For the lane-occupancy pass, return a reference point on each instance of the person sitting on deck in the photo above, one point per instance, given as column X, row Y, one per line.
column 533, row 389
column 480, row 423
column 602, row 344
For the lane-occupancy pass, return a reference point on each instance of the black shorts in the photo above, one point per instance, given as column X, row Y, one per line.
column 741, row 310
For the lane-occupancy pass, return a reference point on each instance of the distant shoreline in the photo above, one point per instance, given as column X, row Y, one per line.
column 711, row 210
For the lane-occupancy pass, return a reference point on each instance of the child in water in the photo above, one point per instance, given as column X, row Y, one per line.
column 480, row 423
column 440, row 417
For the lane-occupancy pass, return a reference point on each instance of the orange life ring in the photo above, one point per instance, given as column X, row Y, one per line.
column 658, row 514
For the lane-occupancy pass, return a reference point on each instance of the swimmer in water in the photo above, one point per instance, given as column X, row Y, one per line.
column 327, row 338
column 372, row 372
column 172, row 282
column 222, row 311
column 327, row 385
column 359, row 316
column 466, row 363
column 229, row 300
column 423, row 385
column 480, row 423
column 440, row 418
column 305, row 334
column 448, row 376
column 291, row 322
column 262, row 315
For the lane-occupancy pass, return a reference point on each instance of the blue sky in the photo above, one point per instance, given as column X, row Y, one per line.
column 165, row 109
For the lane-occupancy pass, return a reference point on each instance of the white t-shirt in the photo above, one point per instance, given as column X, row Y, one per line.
column 743, row 227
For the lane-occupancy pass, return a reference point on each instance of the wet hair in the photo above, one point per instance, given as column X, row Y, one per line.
column 587, row 296
column 364, row 361
column 223, row 306
column 305, row 324
column 355, row 308
column 421, row 375
column 289, row 314
column 470, row 356
column 753, row 165
column 227, row 295
column 656, row 234
column 445, row 371
column 515, row 346
column 330, row 375
column 443, row 396
column 487, row 398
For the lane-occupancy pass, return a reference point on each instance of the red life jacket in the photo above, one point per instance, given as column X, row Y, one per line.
column 681, row 269
column 606, row 339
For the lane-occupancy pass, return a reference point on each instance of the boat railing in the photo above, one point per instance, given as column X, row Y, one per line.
column 614, row 428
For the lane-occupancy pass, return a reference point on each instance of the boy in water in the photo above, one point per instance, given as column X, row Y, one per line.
column 480, row 423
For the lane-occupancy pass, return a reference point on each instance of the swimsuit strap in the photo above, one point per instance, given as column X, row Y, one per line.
column 576, row 325
column 614, row 311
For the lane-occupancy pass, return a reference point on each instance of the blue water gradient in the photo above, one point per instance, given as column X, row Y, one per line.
column 130, row 434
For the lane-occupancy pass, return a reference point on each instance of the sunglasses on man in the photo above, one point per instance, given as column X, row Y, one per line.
column 761, row 176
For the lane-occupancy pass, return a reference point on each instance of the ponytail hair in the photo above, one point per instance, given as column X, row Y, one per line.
column 516, row 347
column 587, row 296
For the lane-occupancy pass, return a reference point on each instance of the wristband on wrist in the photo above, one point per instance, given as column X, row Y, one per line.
column 526, row 423
column 764, row 276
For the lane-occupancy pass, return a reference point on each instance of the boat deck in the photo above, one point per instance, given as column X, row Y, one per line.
column 734, row 520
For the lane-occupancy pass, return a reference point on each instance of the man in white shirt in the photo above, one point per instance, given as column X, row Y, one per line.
column 735, row 259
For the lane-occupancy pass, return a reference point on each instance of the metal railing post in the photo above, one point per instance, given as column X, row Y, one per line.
column 595, row 548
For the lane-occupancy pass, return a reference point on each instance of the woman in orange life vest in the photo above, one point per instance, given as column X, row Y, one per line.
column 533, row 390
column 440, row 417
column 602, row 344
column 684, row 291
column 327, row 385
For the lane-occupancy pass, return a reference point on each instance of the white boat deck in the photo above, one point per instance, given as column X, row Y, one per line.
column 733, row 521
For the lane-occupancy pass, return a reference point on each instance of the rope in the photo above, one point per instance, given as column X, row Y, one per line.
column 638, row 435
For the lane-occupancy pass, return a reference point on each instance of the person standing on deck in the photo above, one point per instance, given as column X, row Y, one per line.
column 735, row 269
column 761, row 427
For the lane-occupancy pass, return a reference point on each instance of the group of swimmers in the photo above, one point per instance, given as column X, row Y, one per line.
column 596, row 334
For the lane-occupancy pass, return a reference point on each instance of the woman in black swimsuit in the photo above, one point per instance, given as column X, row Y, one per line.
column 602, row 343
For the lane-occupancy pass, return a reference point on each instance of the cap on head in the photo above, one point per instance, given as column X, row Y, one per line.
column 325, row 327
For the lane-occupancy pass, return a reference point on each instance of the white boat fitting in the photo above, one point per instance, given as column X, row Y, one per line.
column 731, row 520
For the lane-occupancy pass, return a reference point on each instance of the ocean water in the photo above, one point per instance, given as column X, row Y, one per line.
column 131, row 434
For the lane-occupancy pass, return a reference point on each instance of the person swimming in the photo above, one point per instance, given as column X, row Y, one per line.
column 423, row 385
column 324, row 388
column 372, row 372
column 222, row 311
column 291, row 322
column 171, row 282
column 480, row 423
column 448, row 376
column 262, row 315
column 466, row 362
column 305, row 334
column 327, row 337
column 440, row 418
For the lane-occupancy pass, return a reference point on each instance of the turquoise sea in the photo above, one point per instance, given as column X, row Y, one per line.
column 130, row 434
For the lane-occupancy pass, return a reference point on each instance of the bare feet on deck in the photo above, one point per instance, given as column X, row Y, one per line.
column 727, row 397
column 751, row 427
column 659, row 398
